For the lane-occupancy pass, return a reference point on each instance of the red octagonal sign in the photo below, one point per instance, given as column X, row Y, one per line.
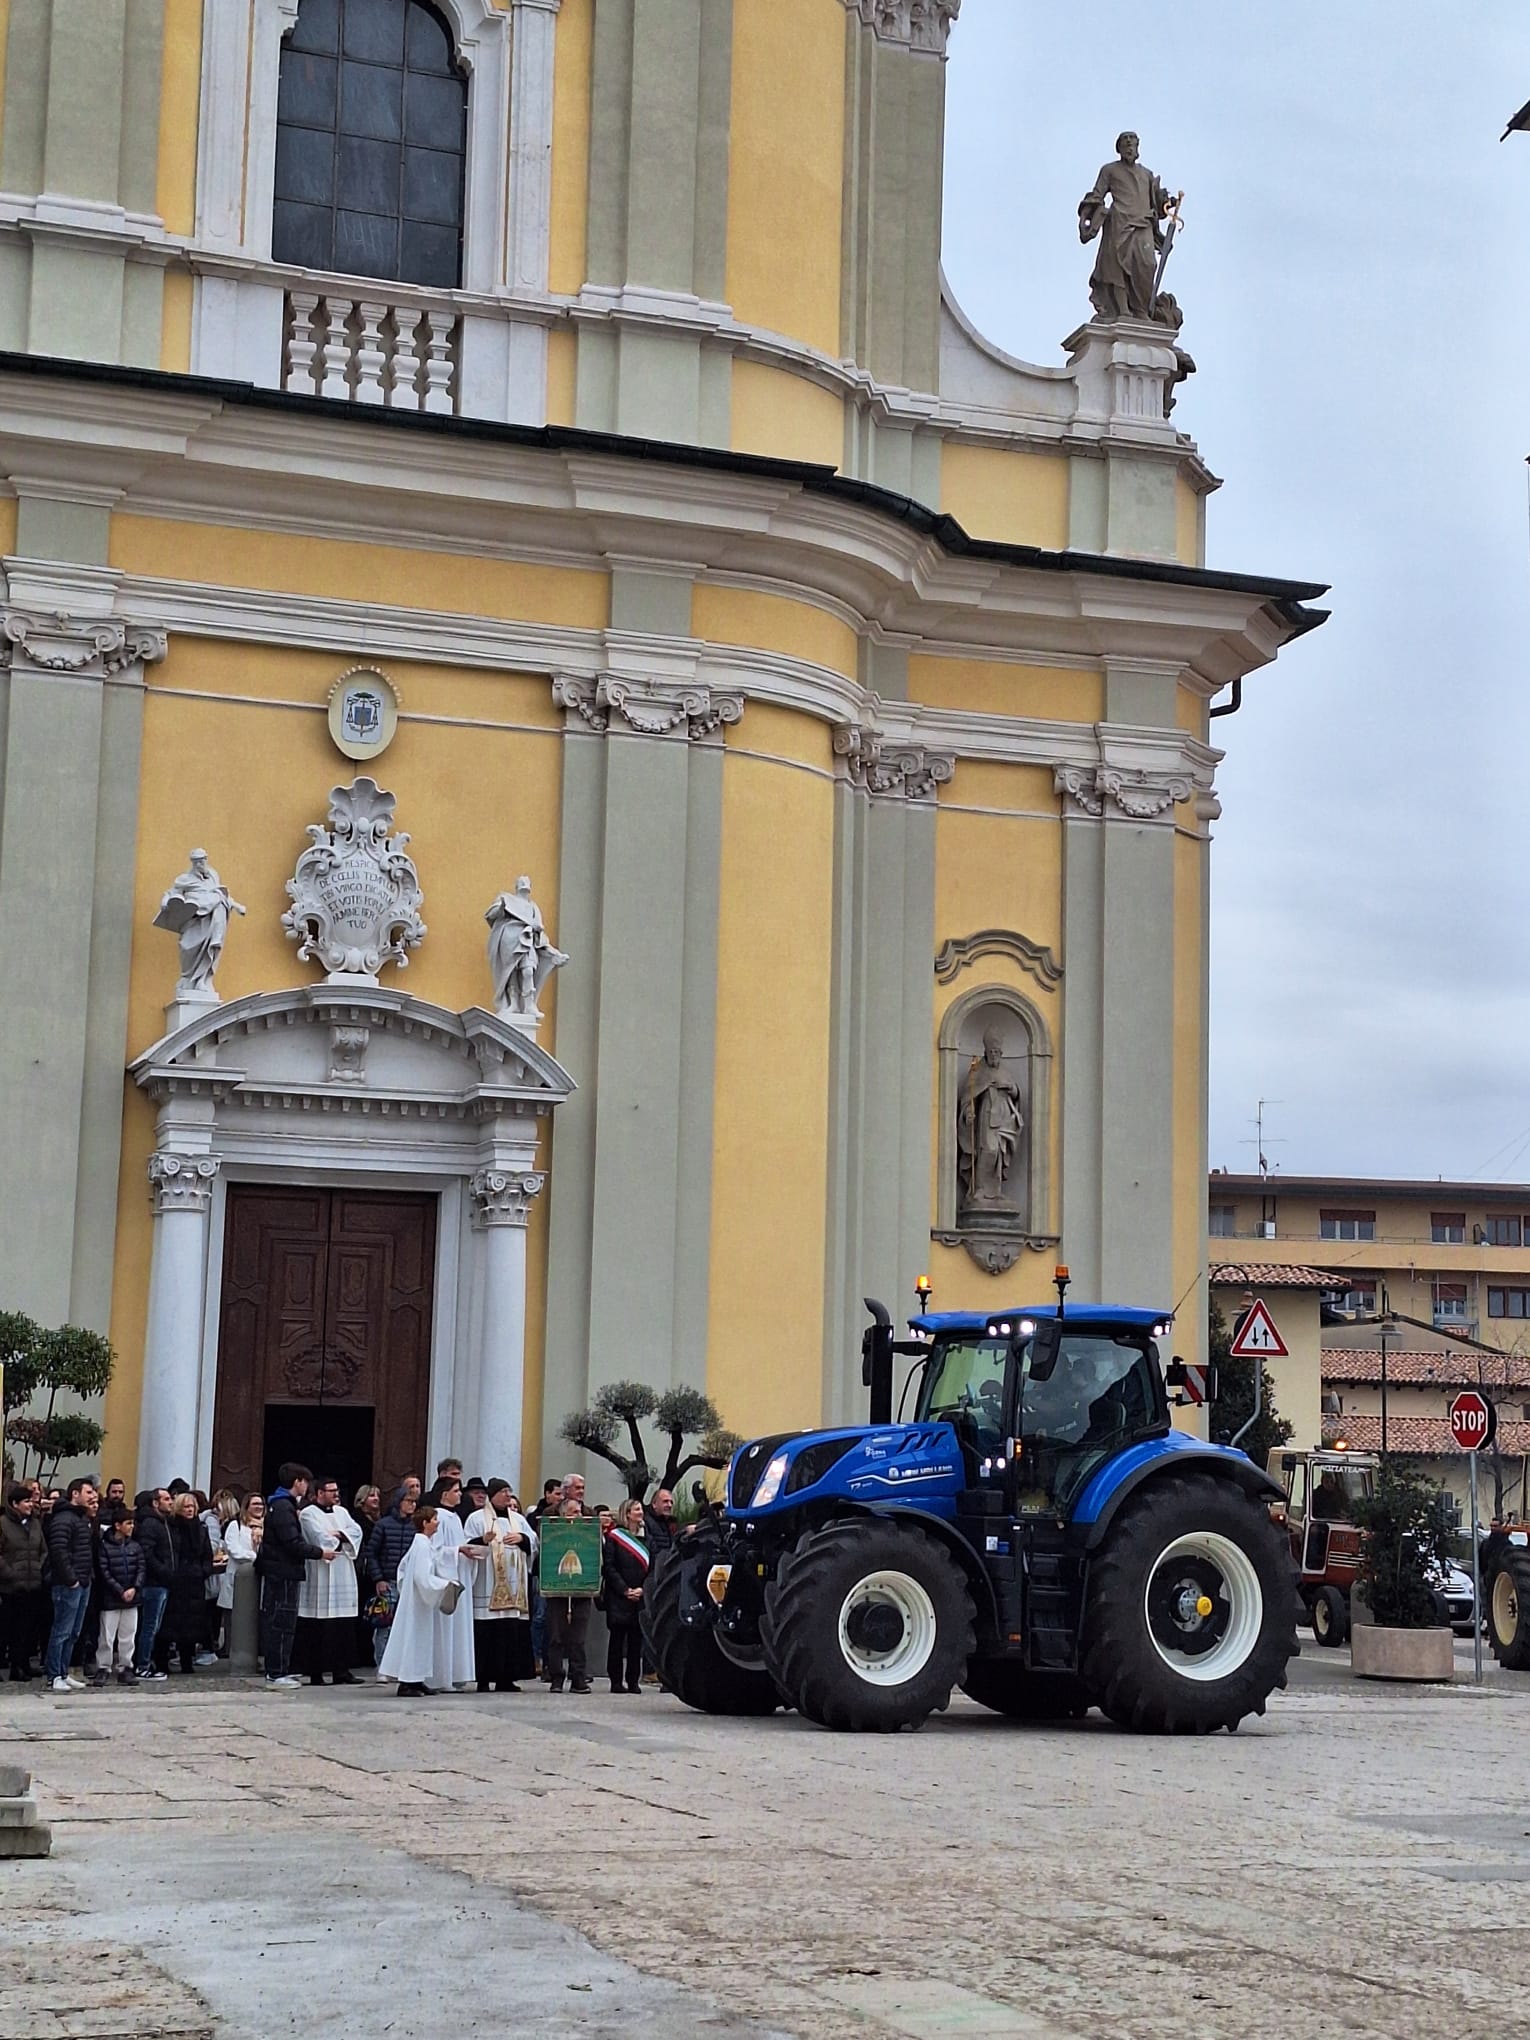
column 1473, row 1420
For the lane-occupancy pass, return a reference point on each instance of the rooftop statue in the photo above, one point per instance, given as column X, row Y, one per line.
column 1135, row 220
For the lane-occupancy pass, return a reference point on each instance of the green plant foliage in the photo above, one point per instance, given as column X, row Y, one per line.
column 1403, row 1536
column 54, row 1439
column 19, row 1342
column 68, row 1360
column 1235, row 1400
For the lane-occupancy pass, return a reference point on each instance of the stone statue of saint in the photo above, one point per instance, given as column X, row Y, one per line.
column 196, row 911
column 1125, row 211
column 521, row 959
column 989, row 1124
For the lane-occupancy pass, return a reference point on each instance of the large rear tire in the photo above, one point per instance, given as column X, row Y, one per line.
column 867, row 1625
column 689, row 1660
column 1191, row 1614
column 1026, row 1696
column 1506, row 1591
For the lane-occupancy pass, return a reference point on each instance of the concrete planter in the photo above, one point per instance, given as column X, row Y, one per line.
column 1377, row 1653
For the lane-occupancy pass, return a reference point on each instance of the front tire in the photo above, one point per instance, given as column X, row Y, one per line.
column 867, row 1625
column 1190, row 1616
column 689, row 1660
column 1330, row 1618
column 1025, row 1696
column 1507, row 1593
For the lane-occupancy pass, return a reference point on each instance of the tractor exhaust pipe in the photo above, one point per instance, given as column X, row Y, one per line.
column 877, row 1362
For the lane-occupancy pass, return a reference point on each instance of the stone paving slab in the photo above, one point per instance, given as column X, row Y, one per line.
column 1352, row 1864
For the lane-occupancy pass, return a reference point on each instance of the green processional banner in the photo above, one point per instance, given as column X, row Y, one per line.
column 569, row 1559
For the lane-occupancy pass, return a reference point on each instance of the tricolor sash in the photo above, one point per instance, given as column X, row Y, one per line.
column 633, row 1546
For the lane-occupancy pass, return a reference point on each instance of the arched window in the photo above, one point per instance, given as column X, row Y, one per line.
column 371, row 143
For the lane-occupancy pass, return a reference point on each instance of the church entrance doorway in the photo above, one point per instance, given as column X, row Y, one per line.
column 324, row 1335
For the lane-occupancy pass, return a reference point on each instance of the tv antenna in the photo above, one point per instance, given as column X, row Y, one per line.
column 1261, row 1139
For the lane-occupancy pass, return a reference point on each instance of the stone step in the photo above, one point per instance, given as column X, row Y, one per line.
column 26, row 1841
column 18, row 1813
column 15, row 1783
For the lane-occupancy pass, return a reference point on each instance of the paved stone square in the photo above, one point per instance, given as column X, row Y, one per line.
column 234, row 1862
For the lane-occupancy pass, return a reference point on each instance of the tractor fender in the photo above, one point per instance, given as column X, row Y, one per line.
column 1177, row 1453
column 947, row 1534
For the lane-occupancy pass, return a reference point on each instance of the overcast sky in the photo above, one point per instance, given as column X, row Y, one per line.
column 1355, row 275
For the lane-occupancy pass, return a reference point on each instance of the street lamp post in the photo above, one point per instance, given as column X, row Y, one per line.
column 1386, row 1331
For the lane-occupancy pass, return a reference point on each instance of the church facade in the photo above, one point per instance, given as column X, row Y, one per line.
column 449, row 444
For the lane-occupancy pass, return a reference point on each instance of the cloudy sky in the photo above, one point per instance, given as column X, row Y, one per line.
column 1355, row 275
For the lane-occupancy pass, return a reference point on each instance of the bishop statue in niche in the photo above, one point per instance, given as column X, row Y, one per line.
column 990, row 1126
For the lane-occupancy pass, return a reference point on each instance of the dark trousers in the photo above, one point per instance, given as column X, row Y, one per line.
column 568, row 1625
column 624, row 1648
column 21, row 1624
column 151, row 1612
column 278, row 1624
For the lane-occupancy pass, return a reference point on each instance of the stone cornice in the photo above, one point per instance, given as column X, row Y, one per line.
column 77, row 647
column 649, row 708
column 876, row 764
column 920, row 25
column 1110, row 793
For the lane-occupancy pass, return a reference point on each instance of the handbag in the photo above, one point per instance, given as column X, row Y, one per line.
column 383, row 1606
column 451, row 1594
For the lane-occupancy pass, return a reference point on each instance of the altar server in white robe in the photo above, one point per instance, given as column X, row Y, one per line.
column 458, row 1564
column 419, row 1651
column 327, row 1605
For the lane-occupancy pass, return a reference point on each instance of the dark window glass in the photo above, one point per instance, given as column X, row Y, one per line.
column 348, row 196
column 318, row 27
column 305, row 165
column 1503, row 1232
column 375, row 30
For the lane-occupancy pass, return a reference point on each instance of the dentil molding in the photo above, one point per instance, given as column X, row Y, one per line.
column 923, row 25
column 889, row 770
column 650, row 708
column 182, row 1182
column 1116, row 793
column 503, row 1197
column 94, row 648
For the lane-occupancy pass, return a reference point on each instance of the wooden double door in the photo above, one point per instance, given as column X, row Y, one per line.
column 324, row 1335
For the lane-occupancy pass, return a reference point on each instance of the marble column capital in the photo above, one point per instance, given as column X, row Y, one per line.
column 182, row 1182
column 503, row 1197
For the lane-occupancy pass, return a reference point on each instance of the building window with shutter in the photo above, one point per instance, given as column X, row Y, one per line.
column 1447, row 1228
column 371, row 143
column 1347, row 1225
column 1503, row 1232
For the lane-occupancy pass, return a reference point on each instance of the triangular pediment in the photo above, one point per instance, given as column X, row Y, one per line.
column 350, row 1043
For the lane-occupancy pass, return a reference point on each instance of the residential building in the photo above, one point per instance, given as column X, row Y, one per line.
column 1293, row 1296
column 536, row 435
column 1452, row 1256
column 1419, row 1389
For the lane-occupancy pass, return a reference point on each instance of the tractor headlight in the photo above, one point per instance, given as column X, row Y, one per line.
column 770, row 1482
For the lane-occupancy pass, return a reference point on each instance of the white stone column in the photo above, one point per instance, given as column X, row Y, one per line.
column 182, row 1188
column 501, row 1208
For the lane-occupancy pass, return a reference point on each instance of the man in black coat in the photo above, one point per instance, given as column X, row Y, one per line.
column 23, row 1562
column 71, row 1570
column 151, row 1513
column 281, row 1567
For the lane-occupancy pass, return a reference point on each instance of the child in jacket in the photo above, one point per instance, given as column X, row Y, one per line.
column 121, row 1569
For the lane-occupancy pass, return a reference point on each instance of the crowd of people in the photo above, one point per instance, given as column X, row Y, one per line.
column 436, row 1590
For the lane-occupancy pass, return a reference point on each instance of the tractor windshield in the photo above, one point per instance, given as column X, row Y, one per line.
column 1097, row 1399
column 965, row 1387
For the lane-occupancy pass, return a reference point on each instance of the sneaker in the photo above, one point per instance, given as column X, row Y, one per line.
column 62, row 1686
column 206, row 1657
column 585, row 1688
column 74, row 1685
column 155, row 1676
column 287, row 1684
column 555, row 1685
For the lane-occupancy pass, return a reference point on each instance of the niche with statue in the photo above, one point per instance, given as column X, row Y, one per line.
column 995, row 1094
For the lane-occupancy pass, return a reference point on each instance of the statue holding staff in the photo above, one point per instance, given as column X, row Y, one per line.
column 1125, row 210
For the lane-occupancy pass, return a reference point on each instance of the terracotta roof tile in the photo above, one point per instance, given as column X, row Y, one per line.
column 1428, row 1370
column 1428, row 1437
column 1273, row 1275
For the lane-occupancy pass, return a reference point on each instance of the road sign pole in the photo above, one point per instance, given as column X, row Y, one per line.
column 1476, row 1583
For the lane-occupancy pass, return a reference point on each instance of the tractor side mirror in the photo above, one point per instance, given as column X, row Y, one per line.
column 1045, row 1348
column 1174, row 1374
column 1213, row 1384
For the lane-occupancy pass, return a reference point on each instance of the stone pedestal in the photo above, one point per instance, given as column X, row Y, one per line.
column 244, row 1627
column 1419, row 1654
column 1124, row 369
column 21, row 1832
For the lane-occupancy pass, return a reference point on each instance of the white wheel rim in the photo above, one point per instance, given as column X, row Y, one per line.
column 1322, row 1618
column 1239, row 1597
column 1505, row 1608
column 905, row 1659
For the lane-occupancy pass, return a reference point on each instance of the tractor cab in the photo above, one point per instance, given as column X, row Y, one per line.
column 1322, row 1489
column 1039, row 1400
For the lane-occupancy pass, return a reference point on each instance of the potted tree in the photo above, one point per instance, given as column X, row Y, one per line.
column 1402, row 1552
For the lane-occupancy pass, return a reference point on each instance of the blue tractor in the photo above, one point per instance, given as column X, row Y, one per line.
column 1038, row 1534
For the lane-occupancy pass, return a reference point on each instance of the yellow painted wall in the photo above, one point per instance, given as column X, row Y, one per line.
column 5, row 37
column 1187, row 525
column 782, row 734
column 781, row 414
column 1020, row 498
column 562, row 378
column 175, row 326
column 1192, row 715
column 786, row 169
column 770, row 1097
column 996, row 871
column 359, row 572
column 180, row 97
column 1052, row 693
column 1189, row 1236
column 572, row 69
column 264, row 772
column 7, row 524
column 773, row 623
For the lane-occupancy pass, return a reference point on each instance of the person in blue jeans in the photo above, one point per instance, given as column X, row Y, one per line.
column 71, row 1568
column 152, row 1510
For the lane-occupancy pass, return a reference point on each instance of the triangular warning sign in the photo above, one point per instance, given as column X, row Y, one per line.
column 1257, row 1337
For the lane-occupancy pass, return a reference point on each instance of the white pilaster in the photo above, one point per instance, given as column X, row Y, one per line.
column 167, row 1437
column 501, row 1208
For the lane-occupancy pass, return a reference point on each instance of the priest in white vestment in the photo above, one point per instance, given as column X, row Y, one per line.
column 325, row 1644
column 420, row 1637
column 502, row 1591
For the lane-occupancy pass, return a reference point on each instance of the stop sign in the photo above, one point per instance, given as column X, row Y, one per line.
column 1473, row 1420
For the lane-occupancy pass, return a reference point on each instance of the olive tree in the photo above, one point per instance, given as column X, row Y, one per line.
column 611, row 1429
